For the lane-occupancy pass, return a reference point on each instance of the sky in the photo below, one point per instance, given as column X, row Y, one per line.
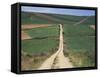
column 76, row 12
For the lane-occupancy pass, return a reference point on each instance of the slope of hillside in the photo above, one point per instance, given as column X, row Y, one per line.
column 31, row 18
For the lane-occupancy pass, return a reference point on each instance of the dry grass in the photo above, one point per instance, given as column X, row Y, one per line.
column 29, row 62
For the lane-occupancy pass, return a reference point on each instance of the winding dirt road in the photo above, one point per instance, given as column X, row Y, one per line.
column 57, row 60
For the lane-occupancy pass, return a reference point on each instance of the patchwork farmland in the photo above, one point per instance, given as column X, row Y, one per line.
column 40, row 42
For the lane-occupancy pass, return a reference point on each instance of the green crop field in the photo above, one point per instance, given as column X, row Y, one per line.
column 35, row 46
column 79, row 30
column 80, row 43
column 44, row 39
column 51, row 30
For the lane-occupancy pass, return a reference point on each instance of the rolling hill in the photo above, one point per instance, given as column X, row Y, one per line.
column 33, row 18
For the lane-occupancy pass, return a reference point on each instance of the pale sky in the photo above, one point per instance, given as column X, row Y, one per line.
column 63, row 11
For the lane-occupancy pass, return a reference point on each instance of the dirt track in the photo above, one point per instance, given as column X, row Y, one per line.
column 57, row 60
column 81, row 21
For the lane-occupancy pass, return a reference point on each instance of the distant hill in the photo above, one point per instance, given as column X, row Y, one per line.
column 42, row 18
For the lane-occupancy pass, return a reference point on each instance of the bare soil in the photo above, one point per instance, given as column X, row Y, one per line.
column 92, row 26
column 24, row 36
column 30, row 26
